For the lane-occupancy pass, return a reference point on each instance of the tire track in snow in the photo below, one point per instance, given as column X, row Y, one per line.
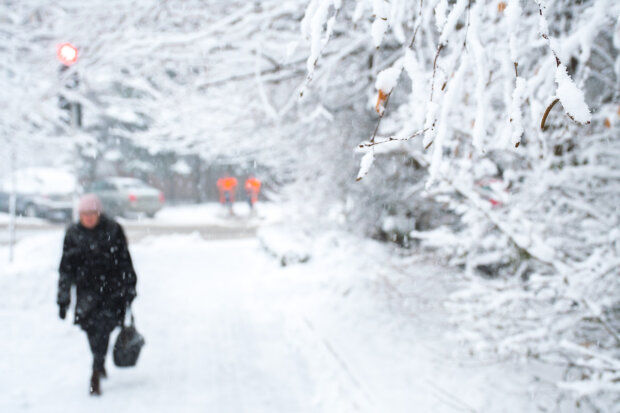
column 339, row 360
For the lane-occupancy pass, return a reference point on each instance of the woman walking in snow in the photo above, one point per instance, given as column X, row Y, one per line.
column 96, row 260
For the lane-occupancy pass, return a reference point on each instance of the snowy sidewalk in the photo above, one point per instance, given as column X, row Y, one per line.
column 229, row 330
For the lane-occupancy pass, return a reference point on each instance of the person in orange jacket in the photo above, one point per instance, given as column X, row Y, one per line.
column 227, row 186
column 252, row 188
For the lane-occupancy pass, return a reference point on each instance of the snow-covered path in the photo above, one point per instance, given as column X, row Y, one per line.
column 215, row 349
column 229, row 330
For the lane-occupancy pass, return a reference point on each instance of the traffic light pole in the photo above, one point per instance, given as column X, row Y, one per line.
column 12, row 201
column 68, row 55
column 76, row 121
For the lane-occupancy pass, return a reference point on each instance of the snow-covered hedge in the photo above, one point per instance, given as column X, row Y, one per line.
column 531, row 87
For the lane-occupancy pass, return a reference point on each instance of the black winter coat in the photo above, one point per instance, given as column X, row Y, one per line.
column 98, row 263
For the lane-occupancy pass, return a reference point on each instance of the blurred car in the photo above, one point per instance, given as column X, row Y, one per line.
column 40, row 192
column 127, row 196
column 493, row 190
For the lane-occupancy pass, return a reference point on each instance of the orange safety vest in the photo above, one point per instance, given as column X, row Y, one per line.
column 252, row 185
column 227, row 184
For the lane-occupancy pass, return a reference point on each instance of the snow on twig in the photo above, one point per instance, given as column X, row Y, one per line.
column 365, row 163
column 390, row 139
column 570, row 96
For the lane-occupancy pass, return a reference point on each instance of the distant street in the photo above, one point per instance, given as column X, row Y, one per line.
column 208, row 220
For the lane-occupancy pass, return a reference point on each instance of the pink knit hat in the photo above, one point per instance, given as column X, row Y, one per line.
column 90, row 203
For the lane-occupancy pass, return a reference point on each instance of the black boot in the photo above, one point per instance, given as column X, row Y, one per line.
column 102, row 373
column 95, row 389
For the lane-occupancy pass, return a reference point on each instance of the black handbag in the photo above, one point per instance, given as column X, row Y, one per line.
column 128, row 345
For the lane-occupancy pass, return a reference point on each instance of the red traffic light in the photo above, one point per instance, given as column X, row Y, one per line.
column 67, row 54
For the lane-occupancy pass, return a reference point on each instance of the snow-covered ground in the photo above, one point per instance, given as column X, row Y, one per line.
column 228, row 329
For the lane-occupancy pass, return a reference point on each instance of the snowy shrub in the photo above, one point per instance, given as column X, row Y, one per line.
column 532, row 87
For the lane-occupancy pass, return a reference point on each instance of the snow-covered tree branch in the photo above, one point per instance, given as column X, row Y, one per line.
column 525, row 94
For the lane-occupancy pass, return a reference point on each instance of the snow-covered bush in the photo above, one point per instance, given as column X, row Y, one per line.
column 533, row 88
